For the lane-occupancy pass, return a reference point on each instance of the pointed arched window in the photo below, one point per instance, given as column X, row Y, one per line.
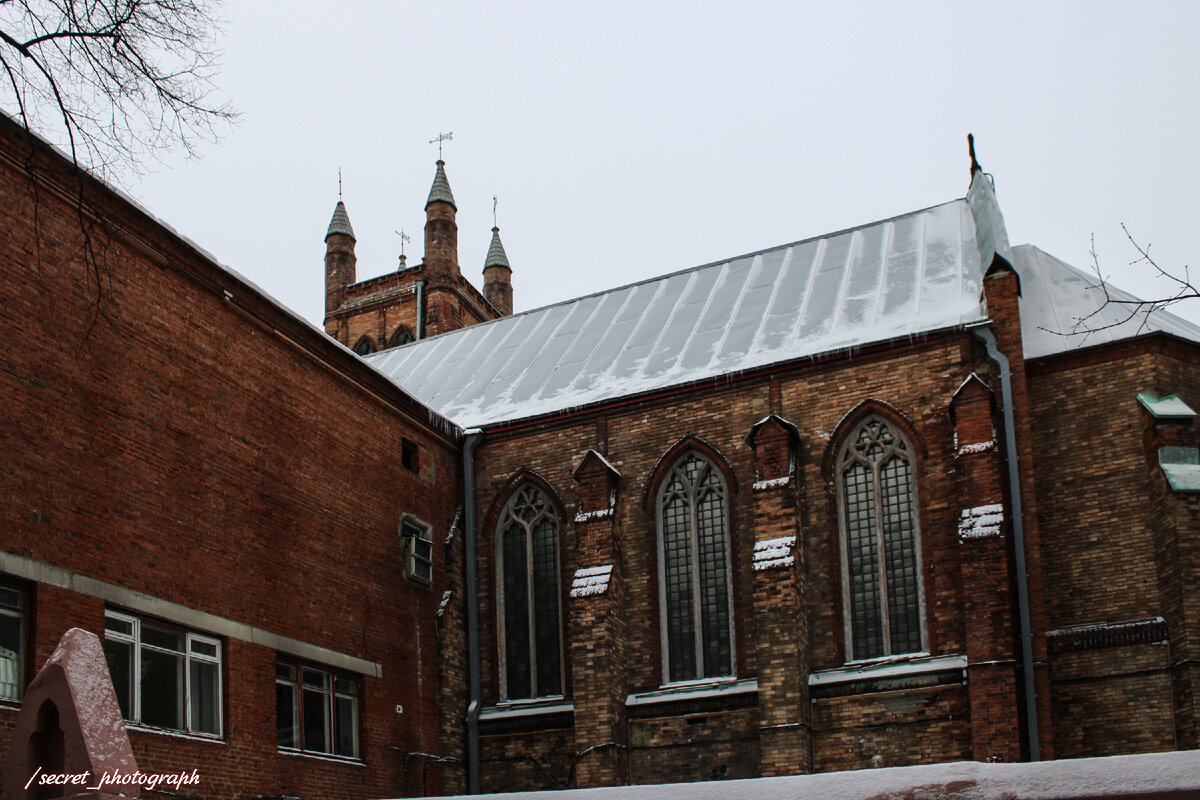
column 402, row 336
column 527, row 545
column 881, row 558
column 365, row 346
column 694, row 573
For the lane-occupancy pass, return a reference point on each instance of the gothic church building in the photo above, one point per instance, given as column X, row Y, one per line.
column 849, row 502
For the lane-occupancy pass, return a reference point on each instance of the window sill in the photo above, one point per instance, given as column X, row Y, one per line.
column 193, row 737
column 347, row 760
column 694, row 690
column 527, row 708
column 913, row 664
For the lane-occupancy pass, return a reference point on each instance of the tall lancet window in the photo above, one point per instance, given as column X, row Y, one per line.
column 881, row 555
column 694, row 573
column 531, row 647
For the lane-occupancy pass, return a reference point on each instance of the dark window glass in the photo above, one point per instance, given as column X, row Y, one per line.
column 694, row 539
column 317, row 713
column 879, row 529
column 164, row 676
column 529, row 583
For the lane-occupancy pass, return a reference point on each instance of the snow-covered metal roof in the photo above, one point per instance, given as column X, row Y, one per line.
column 1062, row 309
column 909, row 275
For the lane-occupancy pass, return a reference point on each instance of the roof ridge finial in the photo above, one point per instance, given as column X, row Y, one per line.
column 339, row 182
column 971, row 150
column 495, row 225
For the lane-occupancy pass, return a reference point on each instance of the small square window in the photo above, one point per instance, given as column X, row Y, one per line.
column 410, row 455
column 418, row 552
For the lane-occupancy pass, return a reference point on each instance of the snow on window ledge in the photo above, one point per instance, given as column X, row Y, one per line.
column 555, row 704
column 915, row 664
column 694, row 690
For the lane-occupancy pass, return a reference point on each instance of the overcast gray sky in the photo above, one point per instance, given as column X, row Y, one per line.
column 630, row 139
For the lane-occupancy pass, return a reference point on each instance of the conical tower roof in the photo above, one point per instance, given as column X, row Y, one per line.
column 440, row 191
column 496, row 257
column 340, row 222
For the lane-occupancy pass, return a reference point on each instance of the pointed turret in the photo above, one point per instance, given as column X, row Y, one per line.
column 497, row 276
column 340, row 262
column 441, row 227
column 440, row 191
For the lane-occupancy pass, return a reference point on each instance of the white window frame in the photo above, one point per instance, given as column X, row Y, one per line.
column 189, row 654
column 15, row 675
column 413, row 535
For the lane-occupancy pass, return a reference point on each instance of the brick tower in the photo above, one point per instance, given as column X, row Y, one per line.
column 412, row 302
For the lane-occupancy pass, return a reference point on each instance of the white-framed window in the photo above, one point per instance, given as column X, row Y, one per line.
column 694, row 571
column 530, row 622
column 883, row 593
column 316, row 710
column 416, row 542
column 164, row 676
column 12, row 642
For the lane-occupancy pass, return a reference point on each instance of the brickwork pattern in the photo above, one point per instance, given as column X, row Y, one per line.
column 192, row 442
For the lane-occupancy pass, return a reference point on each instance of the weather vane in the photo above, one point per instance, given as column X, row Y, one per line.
column 404, row 237
column 494, row 223
column 339, row 183
column 442, row 137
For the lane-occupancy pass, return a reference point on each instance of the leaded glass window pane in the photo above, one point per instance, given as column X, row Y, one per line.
column 694, row 540
column 877, row 504
column 529, row 584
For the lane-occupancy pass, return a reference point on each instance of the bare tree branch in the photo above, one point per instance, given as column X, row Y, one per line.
column 1129, row 308
column 118, row 82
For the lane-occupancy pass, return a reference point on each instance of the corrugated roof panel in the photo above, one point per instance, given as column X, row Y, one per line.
column 787, row 304
column 750, row 315
column 824, row 293
column 645, row 336
column 912, row 274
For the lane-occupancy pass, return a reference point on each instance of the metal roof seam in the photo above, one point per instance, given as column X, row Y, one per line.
column 755, row 268
column 658, row 340
column 815, row 268
column 722, row 279
column 885, row 241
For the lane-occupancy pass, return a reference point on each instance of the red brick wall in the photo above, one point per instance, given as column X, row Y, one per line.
column 927, row 724
column 1119, row 546
column 218, row 454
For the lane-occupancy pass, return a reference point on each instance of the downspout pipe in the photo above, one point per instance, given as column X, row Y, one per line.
column 984, row 334
column 471, row 440
column 420, row 308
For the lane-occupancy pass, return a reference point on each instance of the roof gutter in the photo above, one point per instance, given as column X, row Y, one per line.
column 471, row 440
column 984, row 334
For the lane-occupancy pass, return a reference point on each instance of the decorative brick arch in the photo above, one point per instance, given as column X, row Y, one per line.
column 667, row 459
column 365, row 345
column 864, row 409
column 402, row 335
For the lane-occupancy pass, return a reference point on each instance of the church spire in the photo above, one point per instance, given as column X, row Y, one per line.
column 497, row 276
column 340, row 262
column 340, row 223
column 440, row 191
column 441, row 228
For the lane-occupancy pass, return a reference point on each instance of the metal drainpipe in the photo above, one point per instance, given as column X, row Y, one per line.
column 473, row 437
column 984, row 334
column 420, row 308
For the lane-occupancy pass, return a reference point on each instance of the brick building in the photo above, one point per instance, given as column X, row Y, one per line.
column 845, row 503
